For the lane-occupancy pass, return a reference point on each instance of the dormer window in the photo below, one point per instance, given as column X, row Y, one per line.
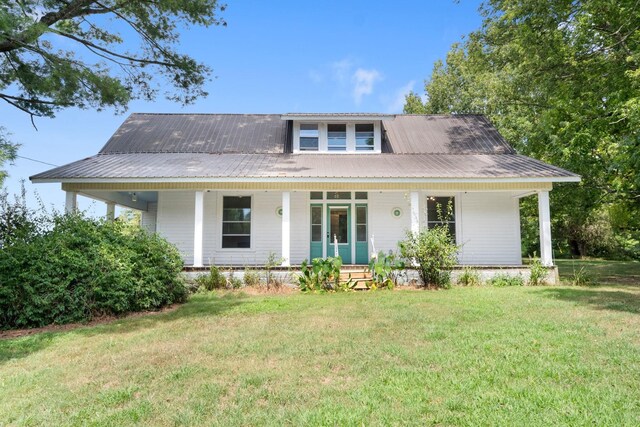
column 337, row 137
column 339, row 133
column 364, row 137
column 309, row 137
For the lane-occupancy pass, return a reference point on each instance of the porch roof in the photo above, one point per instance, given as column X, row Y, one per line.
column 259, row 167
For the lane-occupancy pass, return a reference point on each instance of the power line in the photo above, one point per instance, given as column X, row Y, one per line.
column 38, row 161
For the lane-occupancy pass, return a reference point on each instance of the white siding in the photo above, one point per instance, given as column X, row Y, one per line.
column 175, row 220
column 300, row 226
column 266, row 227
column 148, row 217
column 490, row 229
column 386, row 228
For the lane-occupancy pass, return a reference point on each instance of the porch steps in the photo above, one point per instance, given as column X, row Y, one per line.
column 360, row 279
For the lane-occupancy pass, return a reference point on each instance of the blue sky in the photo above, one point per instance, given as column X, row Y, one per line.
column 273, row 57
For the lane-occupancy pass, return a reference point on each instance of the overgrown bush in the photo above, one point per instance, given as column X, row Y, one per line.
column 386, row 269
column 233, row 282
column 581, row 277
column 213, row 280
column 434, row 253
column 69, row 268
column 273, row 260
column 469, row 277
column 503, row 280
column 537, row 272
column 251, row 277
column 322, row 275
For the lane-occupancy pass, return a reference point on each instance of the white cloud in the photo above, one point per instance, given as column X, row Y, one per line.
column 397, row 102
column 341, row 70
column 363, row 81
column 316, row 76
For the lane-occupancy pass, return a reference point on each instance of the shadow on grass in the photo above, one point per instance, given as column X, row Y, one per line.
column 624, row 298
column 197, row 306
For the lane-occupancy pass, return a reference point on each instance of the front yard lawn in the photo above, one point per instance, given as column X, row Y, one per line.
column 602, row 271
column 468, row 356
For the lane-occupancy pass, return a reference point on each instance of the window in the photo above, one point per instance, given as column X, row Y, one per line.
column 308, row 137
column 236, row 222
column 338, row 195
column 361, row 223
column 337, row 137
column 441, row 213
column 361, row 195
column 364, row 137
column 316, row 195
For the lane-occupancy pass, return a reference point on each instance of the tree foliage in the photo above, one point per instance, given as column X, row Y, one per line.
column 8, row 152
column 57, row 54
column 560, row 80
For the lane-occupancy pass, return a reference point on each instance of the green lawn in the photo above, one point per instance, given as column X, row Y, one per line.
column 602, row 271
column 467, row 356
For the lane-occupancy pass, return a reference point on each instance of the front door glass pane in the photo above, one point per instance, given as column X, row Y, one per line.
column 316, row 223
column 339, row 225
column 361, row 223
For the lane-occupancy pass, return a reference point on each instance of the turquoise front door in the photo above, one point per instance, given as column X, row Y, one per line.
column 339, row 229
column 362, row 235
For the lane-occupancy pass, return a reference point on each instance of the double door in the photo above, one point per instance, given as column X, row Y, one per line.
column 333, row 232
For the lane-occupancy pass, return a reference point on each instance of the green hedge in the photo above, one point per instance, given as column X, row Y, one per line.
column 75, row 268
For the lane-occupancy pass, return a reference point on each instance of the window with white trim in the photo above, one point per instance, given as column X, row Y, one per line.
column 364, row 137
column 337, row 137
column 236, row 222
column 441, row 213
column 309, row 136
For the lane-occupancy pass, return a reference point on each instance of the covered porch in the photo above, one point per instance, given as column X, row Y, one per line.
column 303, row 222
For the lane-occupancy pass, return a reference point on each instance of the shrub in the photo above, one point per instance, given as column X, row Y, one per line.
column 385, row 270
column 233, row 282
column 68, row 268
column 503, row 280
column 214, row 280
column 272, row 261
column 322, row 275
column 251, row 277
column 469, row 277
column 537, row 272
column 434, row 253
column 581, row 277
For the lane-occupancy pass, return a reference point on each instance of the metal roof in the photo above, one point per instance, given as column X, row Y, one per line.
column 338, row 116
column 444, row 134
column 216, row 146
column 363, row 166
column 199, row 133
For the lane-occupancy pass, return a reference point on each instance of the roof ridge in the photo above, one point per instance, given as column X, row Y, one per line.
column 204, row 114
column 289, row 113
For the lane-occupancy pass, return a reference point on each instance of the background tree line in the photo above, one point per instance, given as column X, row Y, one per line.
column 560, row 81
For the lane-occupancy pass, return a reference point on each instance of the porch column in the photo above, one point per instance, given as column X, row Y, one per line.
column 415, row 212
column 71, row 202
column 544, row 219
column 286, row 228
column 111, row 211
column 198, row 228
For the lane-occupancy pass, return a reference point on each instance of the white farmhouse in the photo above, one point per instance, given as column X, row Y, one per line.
column 228, row 189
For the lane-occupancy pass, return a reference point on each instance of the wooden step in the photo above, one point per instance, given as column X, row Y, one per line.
column 355, row 275
column 361, row 285
column 358, row 279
